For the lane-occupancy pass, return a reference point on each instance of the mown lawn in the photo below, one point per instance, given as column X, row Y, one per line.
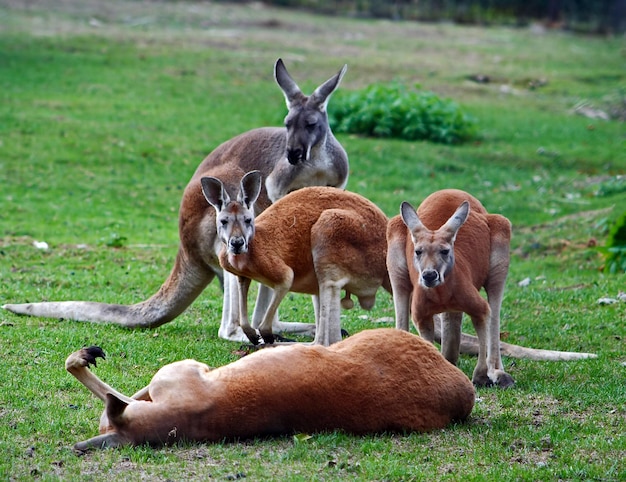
column 108, row 107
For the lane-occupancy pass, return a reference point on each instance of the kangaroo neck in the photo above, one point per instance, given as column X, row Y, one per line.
column 238, row 263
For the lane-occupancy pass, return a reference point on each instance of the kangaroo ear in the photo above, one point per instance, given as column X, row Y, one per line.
column 410, row 217
column 115, row 409
column 321, row 95
column 214, row 192
column 250, row 188
column 290, row 89
column 457, row 220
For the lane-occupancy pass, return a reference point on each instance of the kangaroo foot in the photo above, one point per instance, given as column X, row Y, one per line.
column 502, row 380
column 84, row 357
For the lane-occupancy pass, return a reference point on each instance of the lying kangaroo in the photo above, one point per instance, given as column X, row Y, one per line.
column 377, row 380
column 456, row 248
column 304, row 153
column 316, row 240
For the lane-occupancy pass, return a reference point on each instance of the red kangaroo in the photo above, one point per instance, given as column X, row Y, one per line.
column 377, row 380
column 438, row 259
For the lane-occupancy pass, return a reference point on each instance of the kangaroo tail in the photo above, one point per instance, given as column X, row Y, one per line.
column 184, row 284
column 469, row 346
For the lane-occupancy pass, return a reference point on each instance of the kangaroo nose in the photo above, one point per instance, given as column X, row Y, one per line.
column 294, row 156
column 430, row 277
column 236, row 244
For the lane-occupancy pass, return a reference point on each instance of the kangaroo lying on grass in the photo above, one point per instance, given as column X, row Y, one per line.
column 304, row 153
column 438, row 259
column 377, row 380
column 316, row 240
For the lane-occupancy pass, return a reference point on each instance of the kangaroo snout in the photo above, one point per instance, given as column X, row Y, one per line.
column 430, row 278
column 294, row 156
column 237, row 245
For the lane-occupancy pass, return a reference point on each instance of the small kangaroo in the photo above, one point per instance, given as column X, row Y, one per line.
column 316, row 240
column 303, row 153
column 456, row 248
column 377, row 380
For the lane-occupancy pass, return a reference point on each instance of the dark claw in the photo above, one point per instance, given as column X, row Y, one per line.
column 344, row 333
column 483, row 381
column 506, row 381
column 282, row 339
column 268, row 338
column 254, row 339
column 92, row 353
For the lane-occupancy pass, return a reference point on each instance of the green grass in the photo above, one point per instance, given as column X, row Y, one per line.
column 101, row 127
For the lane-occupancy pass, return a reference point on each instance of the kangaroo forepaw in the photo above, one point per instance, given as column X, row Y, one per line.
column 253, row 336
column 268, row 338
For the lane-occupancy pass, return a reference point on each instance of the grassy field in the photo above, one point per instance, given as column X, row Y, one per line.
column 108, row 107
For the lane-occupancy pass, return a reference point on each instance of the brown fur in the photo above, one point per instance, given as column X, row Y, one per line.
column 482, row 260
column 478, row 258
column 317, row 240
column 303, row 154
column 378, row 380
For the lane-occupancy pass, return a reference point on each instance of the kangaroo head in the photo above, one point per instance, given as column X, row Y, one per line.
column 106, row 440
column 306, row 121
column 234, row 219
column 433, row 250
column 111, row 421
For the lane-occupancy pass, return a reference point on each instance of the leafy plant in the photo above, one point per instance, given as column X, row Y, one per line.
column 394, row 111
column 615, row 248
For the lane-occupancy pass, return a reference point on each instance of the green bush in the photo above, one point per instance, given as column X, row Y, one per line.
column 392, row 110
column 615, row 248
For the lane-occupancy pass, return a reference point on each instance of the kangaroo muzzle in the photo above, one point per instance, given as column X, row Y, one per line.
column 430, row 278
column 295, row 156
column 237, row 245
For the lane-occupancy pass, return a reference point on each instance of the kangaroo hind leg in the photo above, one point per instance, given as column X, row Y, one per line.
column 500, row 229
column 78, row 365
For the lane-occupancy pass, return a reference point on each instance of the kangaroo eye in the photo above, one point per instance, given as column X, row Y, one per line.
column 248, row 221
column 418, row 252
column 445, row 252
column 224, row 222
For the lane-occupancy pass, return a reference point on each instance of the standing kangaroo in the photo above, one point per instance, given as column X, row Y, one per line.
column 303, row 153
column 316, row 240
column 451, row 249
